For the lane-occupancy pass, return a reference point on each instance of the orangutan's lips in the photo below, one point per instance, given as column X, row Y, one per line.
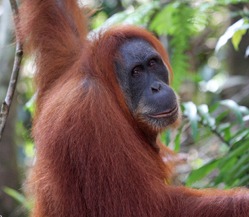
column 166, row 113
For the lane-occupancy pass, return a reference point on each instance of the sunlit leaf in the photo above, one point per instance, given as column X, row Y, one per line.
column 235, row 108
column 240, row 135
column 30, row 105
column 240, row 25
column 190, row 110
column 207, row 119
column 141, row 15
column 237, row 38
column 162, row 23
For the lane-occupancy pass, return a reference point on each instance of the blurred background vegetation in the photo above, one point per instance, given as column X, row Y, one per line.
column 208, row 45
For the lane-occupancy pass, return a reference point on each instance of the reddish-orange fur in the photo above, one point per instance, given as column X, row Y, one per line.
column 92, row 159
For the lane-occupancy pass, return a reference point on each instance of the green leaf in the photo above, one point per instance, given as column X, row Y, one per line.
column 243, row 181
column 178, row 141
column 141, row 15
column 207, row 119
column 201, row 172
column 242, row 161
column 30, row 105
column 241, row 172
column 237, row 38
column 238, row 149
column 241, row 135
column 165, row 137
column 99, row 19
column 240, row 25
column 227, row 2
column 20, row 198
column 162, row 23
column 15, row 194
column 224, row 166
column 221, row 116
column 235, row 108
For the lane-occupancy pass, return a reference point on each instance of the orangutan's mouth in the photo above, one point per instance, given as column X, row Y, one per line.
column 165, row 114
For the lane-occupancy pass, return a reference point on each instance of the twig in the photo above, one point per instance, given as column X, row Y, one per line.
column 15, row 71
column 216, row 132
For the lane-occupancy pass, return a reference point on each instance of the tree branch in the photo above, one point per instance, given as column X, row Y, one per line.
column 15, row 71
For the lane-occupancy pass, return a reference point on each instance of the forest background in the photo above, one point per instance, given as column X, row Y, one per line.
column 208, row 44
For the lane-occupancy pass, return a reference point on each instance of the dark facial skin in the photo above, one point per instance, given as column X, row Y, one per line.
column 144, row 80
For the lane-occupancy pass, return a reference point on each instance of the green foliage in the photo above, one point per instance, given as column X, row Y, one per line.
column 139, row 16
column 20, row 198
column 98, row 20
column 170, row 22
column 178, row 20
column 233, row 165
column 227, row 2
